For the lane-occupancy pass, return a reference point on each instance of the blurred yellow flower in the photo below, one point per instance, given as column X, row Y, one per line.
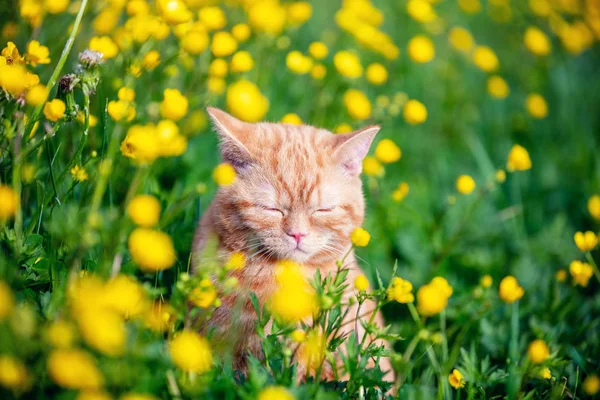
column 509, row 290
column 14, row 78
column 497, row 87
column 318, row 50
column 537, row 42
column 421, row 49
column 56, row 6
column 10, row 30
column 561, row 275
column 442, row 284
column 344, row 128
column 151, row 250
column 246, row 102
column 37, row 95
column 538, row 351
column 318, row 71
column 216, row 85
column 311, row 352
column 291, row 118
column 121, row 110
column 347, row 64
column 61, row 334
column 144, row 210
column 414, row 112
column 486, row 281
column 212, row 17
column 37, row 54
column 74, row 369
column 236, row 261
column 94, row 395
column 275, row 393
column 103, row 330
column 242, row 61
column 431, row 299
column 400, row 192
column 9, row 201
column 581, row 272
column 126, row 296
column 586, row 241
column 536, row 106
column 593, row 207
column 461, row 39
column 267, row 16
column 137, row 396
column 224, row 174
column 151, row 60
column 591, row 385
column 361, row 283
column 294, row 299
column 420, row 10
column 357, row 104
column 54, row 110
column 360, row 237
column 241, row 32
column 377, row 74
column 401, row 291
column 218, row 68
column 204, row 295
column 546, row 373
column 195, row 41
column 372, row 167
column 298, row 62
column 518, row 159
column 298, row 12
column 191, row 352
column 79, row 174
column 387, row 151
column 174, row 105
column 541, row 8
column 470, row 6
column 174, row 12
column 465, row 184
column 141, row 144
column 456, row 379
column 500, row 176
column 13, row 374
column 159, row 317
column 223, row 44
column 298, row 336
column 485, row 58
column 104, row 45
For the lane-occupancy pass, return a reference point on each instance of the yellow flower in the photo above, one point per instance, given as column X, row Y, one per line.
column 121, row 110
column 191, row 352
column 421, row 10
column 318, row 50
column 241, row 32
column 216, row 85
column 141, row 144
column 387, row 151
column 298, row 336
column 344, row 128
column 10, row 30
column 246, row 102
column 56, row 6
column 93, row 395
column 486, row 281
column 79, row 173
column 401, row 291
column 13, row 374
column 174, row 105
column 223, row 44
column 581, row 272
column 106, row 21
column 218, row 68
column 347, row 64
column 593, row 207
column 372, row 167
column 586, row 241
column 456, row 379
column 37, row 95
column 242, row 61
column 377, row 74
column 267, row 16
column 546, row 373
column 415, row 112
column 591, row 385
column 104, row 45
column 236, row 261
column 421, row 49
column 103, row 329
column 126, row 296
column 470, row 6
column 561, row 275
column 204, row 295
column 151, row 60
column 151, row 250
column 298, row 62
column 461, row 39
column 37, row 54
column 311, row 352
column 431, row 299
column 11, row 54
column 536, row 106
column 13, row 78
column 159, row 317
column 294, row 299
column 537, row 42
column 74, row 369
column 137, row 396
column 291, row 118
column 9, row 201
column 518, row 159
column 509, row 290
column 275, row 393
column 500, row 176
column 173, row 11
column 224, row 174
column 442, row 284
column 465, row 184
column 541, row 8
column 360, row 237
column 54, row 110
column 400, row 192
column 212, row 17
column 61, row 334
column 485, row 59
column 144, row 210
column 298, row 12
column 361, row 283
column 497, row 87
column 538, row 351
column 357, row 104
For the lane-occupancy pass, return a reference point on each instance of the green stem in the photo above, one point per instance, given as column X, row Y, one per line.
column 17, row 187
column 86, row 126
column 59, row 66
column 513, row 380
column 415, row 314
column 444, row 338
column 591, row 260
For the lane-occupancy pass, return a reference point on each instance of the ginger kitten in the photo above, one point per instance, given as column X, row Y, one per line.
column 297, row 196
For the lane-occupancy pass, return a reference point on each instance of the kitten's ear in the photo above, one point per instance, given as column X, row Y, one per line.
column 351, row 148
column 232, row 135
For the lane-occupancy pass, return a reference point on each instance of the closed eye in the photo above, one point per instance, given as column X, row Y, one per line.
column 272, row 210
column 323, row 210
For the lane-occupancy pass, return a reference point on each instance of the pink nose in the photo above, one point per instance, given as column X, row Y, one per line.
column 297, row 236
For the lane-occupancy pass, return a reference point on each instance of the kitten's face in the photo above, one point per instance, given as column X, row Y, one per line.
column 297, row 194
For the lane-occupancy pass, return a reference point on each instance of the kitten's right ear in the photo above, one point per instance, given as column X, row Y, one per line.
column 232, row 135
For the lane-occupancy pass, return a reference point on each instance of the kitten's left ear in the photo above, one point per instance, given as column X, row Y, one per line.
column 351, row 148
column 233, row 134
